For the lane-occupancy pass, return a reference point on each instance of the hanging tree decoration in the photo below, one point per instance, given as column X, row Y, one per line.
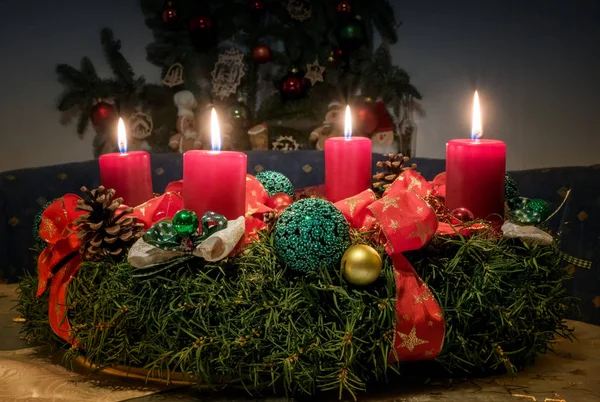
column 202, row 32
column 140, row 128
column 102, row 113
column 228, row 73
column 262, row 54
column 257, row 7
column 293, row 85
column 314, row 72
column 169, row 14
column 300, row 10
column 174, row 75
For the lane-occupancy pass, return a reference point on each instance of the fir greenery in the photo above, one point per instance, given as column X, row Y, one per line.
column 250, row 321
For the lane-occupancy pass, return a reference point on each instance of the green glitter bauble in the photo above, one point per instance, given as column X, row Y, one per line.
column 511, row 190
column 185, row 222
column 518, row 203
column 525, row 216
column 39, row 242
column 540, row 207
column 275, row 182
column 311, row 233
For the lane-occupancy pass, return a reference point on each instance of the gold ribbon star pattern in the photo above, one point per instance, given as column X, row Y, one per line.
column 426, row 295
column 394, row 225
column 314, row 72
column 414, row 182
column 410, row 340
column 422, row 231
column 352, row 203
column 390, row 202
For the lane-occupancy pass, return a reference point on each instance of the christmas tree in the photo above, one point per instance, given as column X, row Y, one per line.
column 276, row 70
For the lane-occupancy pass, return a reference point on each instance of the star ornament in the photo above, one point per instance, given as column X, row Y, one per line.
column 410, row 340
column 314, row 72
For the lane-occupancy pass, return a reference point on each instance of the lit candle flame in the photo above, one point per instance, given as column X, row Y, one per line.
column 348, row 123
column 215, row 132
column 122, row 137
column 476, row 128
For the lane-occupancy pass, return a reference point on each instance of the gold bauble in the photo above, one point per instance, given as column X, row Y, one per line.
column 361, row 265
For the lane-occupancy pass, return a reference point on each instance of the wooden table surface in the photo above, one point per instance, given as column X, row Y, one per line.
column 572, row 374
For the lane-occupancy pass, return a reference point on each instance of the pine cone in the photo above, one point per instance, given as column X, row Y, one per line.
column 103, row 231
column 270, row 218
column 393, row 166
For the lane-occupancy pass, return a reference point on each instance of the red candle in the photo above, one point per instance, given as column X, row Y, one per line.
column 347, row 164
column 128, row 173
column 475, row 171
column 215, row 180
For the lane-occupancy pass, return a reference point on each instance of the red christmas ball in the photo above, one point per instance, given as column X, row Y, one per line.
column 344, row 7
column 292, row 86
column 366, row 119
column 460, row 215
column 169, row 14
column 257, row 7
column 200, row 23
column 261, row 54
column 279, row 201
column 102, row 113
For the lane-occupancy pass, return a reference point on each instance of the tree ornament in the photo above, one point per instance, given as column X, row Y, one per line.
column 202, row 32
column 169, row 14
column 344, row 8
column 292, row 86
column 300, row 10
column 140, row 125
column 335, row 57
column 285, row 143
column 540, row 207
column 257, row 7
column 361, row 265
column 462, row 215
column 174, row 76
column 314, row 72
column 185, row 223
column 228, row 73
column 102, row 113
column 279, row 201
column 275, row 182
column 352, row 35
column 511, row 190
column 238, row 115
column 366, row 119
column 311, row 234
column 105, row 230
column 394, row 165
column 262, row 54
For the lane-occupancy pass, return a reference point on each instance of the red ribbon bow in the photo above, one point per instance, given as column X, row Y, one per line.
column 407, row 223
column 57, row 229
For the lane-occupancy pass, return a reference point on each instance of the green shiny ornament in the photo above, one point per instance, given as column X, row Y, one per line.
column 310, row 234
column 185, row 222
column 525, row 216
column 540, row 207
column 275, row 182
column 238, row 115
column 352, row 34
column 511, row 190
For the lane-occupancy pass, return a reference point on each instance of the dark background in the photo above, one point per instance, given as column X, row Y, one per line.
column 536, row 64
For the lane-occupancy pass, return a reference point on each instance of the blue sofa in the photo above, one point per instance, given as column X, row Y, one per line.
column 24, row 192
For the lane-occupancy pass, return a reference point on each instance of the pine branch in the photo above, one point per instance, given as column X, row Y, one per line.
column 119, row 65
